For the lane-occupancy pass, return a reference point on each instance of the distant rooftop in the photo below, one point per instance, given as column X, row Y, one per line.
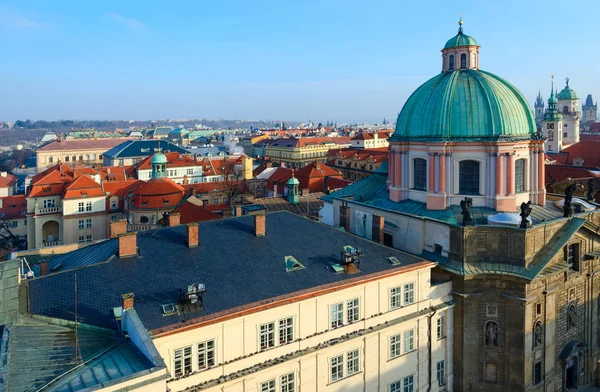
column 140, row 148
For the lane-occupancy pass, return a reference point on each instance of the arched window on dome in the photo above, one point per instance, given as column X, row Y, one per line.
column 520, row 167
column 451, row 62
column 420, row 174
column 468, row 177
column 463, row 61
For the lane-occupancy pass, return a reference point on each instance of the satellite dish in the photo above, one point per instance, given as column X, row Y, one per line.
column 191, row 289
column 201, row 287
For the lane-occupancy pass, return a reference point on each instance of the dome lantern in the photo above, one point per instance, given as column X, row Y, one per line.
column 159, row 165
column 460, row 52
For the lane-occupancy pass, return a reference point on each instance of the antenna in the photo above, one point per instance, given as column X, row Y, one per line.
column 77, row 350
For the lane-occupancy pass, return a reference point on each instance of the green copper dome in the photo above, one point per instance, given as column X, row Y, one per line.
column 468, row 105
column 460, row 39
column 159, row 157
column 567, row 93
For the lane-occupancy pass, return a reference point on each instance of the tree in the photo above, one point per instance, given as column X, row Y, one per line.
column 9, row 241
column 233, row 181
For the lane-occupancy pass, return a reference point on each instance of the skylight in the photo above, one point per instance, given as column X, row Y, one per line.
column 291, row 264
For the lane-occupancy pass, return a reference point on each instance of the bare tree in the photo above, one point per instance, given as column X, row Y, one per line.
column 9, row 241
column 233, row 181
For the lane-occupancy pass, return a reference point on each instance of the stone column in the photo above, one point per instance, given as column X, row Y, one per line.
column 499, row 175
column 541, row 178
column 391, row 166
column 442, row 173
column 510, row 174
column 431, row 188
column 398, row 170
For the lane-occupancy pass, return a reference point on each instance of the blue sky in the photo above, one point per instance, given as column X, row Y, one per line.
column 346, row 61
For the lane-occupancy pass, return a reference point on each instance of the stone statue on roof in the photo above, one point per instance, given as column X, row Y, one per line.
column 590, row 190
column 525, row 212
column 465, row 205
column 567, row 208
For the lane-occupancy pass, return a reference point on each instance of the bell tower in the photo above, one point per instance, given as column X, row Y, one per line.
column 552, row 126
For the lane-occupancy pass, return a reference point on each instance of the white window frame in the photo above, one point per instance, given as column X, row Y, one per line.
column 353, row 310
column 408, row 383
column 81, row 206
column 441, row 373
column 441, row 326
column 206, row 354
column 352, row 362
column 408, row 294
column 395, row 297
column 408, row 341
column 88, row 206
column 81, row 239
column 285, row 330
column 336, row 315
column 181, row 356
column 266, row 333
column 336, row 368
column 268, row 386
column 287, row 382
column 88, row 223
column 395, row 346
column 81, row 224
column 89, row 238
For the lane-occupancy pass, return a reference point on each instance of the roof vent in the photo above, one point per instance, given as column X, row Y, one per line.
column 394, row 260
column 337, row 268
column 291, row 264
column 168, row 309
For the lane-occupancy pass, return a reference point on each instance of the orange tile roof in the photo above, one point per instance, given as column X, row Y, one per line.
column 383, row 134
column 308, row 141
column 82, row 144
column 191, row 212
column 7, row 180
column 588, row 151
column 83, row 186
column 157, row 193
column 13, row 207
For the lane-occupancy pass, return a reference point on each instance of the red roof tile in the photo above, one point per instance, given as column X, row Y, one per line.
column 588, row 151
column 7, row 180
column 83, row 186
column 192, row 212
column 13, row 207
column 157, row 193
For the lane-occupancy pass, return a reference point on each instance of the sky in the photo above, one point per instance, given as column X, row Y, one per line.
column 344, row 61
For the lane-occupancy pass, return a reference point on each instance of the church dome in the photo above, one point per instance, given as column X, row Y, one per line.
column 567, row 93
column 460, row 39
column 159, row 158
column 466, row 104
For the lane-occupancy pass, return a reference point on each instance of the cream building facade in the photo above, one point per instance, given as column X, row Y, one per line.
column 88, row 151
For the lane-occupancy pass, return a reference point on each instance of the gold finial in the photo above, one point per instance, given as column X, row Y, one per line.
column 460, row 22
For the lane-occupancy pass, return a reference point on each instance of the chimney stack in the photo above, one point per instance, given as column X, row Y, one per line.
column 127, row 244
column 260, row 225
column 127, row 301
column 118, row 227
column 43, row 268
column 174, row 219
column 378, row 226
column 238, row 210
column 192, row 235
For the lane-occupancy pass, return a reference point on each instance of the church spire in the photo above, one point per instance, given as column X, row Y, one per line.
column 460, row 23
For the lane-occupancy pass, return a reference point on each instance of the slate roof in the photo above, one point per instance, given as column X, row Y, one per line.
column 133, row 149
column 307, row 205
column 372, row 192
column 238, row 268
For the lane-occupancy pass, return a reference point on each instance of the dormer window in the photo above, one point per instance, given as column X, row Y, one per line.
column 463, row 61
column 451, row 62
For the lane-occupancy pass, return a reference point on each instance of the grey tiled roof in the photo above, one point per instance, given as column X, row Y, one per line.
column 237, row 267
column 133, row 148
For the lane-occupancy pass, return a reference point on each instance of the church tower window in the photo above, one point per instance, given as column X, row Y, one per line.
column 520, row 175
column 451, row 62
column 463, row 61
column 468, row 172
column 420, row 174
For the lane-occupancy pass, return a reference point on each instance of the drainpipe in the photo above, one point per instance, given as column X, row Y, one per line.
column 429, row 348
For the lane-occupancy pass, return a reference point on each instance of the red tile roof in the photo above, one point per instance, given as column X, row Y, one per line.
column 82, row 144
column 83, row 186
column 335, row 183
column 588, row 151
column 307, row 141
column 7, row 180
column 557, row 173
column 217, row 207
column 157, row 193
column 383, row 134
column 192, row 212
column 13, row 207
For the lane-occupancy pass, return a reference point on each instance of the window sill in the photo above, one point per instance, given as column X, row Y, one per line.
column 442, row 337
column 344, row 378
column 402, row 355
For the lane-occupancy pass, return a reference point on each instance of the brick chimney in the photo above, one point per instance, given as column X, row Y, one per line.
column 127, row 301
column 192, row 235
column 378, row 225
column 238, row 210
column 260, row 225
column 43, row 268
column 127, row 244
column 174, row 219
column 118, row 227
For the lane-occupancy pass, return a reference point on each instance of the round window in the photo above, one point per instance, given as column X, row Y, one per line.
column 144, row 219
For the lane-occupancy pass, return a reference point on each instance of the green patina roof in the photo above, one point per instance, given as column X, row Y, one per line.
column 465, row 104
column 567, row 93
column 460, row 39
column 293, row 181
column 159, row 157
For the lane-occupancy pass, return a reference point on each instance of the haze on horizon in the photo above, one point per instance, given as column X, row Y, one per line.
column 346, row 61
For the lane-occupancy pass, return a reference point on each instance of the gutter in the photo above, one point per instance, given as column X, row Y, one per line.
column 429, row 360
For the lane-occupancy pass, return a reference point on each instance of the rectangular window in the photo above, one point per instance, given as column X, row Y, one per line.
column 80, row 206
column 395, row 346
column 15, row 223
column 113, row 218
column 88, row 206
column 287, row 383
column 286, row 330
column 113, row 204
column 468, row 177
column 441, row 327
column 81, row 239
column 409, row 294
column 408, row 384
column 50, row 159
column 395, row 298
column 216, row 200
column 120, row 162
column 409, row 341
column 49, row 203
column 396, row 386
column 336, row 315
column 80, row 224
column 573, row 256
column 353, row 362
column 352, row 310
column 520, row 175
column 537, row 373
column 337, row 368
column 182, row 361
column 88, row 238
column 88, row 223
column 420, row 174
column 268, row 386
column 491, row 372
column 267, row 336
column 66, row 159
column 441, row 373
column 190, row 172
column 206, row 355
